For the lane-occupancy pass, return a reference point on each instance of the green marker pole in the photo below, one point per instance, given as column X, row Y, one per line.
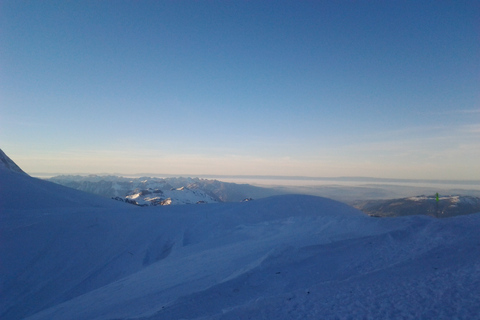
column 436, row 197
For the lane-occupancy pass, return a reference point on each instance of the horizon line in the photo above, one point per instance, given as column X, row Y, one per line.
column 261, row 177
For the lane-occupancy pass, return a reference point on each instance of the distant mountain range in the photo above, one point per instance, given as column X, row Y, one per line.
column 163, row 191
column 147, row 191
column 446, row 206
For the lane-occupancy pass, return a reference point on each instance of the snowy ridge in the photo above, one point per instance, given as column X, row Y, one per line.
column 7, row 164
column 287, row 257
column 446, row 206
column 19, row 191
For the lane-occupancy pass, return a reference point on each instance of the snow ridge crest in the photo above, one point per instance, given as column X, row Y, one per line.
column 8, row 163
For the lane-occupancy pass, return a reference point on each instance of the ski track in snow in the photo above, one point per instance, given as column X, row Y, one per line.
column 65, row 254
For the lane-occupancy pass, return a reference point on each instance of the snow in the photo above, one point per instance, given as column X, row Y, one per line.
column 174, row 196
column 7, row 164
column 452, row 199
column 65, row 254
column 204, row 190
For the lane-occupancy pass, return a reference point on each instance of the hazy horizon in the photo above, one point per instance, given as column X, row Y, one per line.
column 313, row 89
column 246, row 176
column 309, row 185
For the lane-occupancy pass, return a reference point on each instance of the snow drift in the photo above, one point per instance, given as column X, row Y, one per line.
column 288, row 257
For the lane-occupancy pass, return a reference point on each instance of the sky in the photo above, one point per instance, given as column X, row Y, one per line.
column 387, row 89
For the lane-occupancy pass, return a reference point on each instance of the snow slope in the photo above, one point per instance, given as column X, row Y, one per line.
column 7, row 164
column 288, row 257
column 19, row 191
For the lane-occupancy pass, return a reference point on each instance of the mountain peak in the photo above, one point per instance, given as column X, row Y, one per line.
column 7, row 163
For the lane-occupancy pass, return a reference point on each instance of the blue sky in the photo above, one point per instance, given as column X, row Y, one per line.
column 312, row 88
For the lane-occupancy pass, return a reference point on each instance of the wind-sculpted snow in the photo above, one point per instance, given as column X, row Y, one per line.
column 288, row 257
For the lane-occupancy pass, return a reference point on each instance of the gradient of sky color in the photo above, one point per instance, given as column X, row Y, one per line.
column 311, row 88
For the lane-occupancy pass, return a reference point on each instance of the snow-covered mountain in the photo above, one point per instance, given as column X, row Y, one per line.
column 155, row 197
column 19, row 191
column 163, row 191
column 446, row 206
column 7, row 164
column 288, row 257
